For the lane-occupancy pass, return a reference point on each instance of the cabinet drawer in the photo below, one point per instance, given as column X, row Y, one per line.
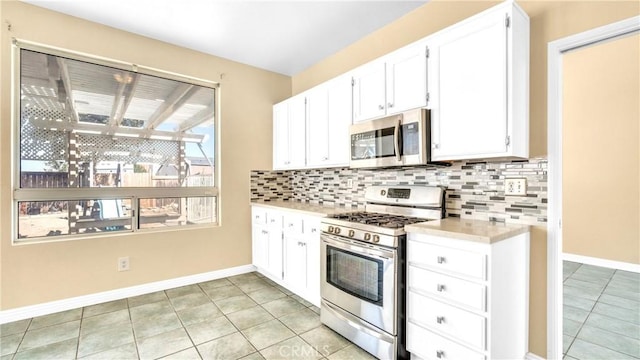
column 448, row 288
column 311, row 226
column 259, row 216
column 428, row 345
column 446, row 259
column 292, row 224
column 274, row 219
column 466, row 326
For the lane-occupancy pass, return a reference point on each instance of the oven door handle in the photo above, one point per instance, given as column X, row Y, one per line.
column 353, row 322
column 381, row 254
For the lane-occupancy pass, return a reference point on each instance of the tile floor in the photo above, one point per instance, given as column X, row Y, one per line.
column 240, row 317
column 601, row 313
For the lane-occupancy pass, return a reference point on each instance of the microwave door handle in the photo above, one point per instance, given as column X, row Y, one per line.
column 396, row 141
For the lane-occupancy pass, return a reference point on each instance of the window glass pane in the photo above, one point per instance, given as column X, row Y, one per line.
column 163, row 212
column 89, row 125
column 53, row 218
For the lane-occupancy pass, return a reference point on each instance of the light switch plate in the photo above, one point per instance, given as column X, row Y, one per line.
column 517, row 187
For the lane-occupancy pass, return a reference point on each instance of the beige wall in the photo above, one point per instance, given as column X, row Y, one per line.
column 37, row 273
column 601, row 132
column 33, row 274
column 550, row 20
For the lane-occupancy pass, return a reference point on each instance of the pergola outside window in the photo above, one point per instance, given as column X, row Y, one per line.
column 104, row 146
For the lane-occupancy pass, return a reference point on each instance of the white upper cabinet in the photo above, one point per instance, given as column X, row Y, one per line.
column 407, row 78
column 391, row 84
column 289, row 119
column 479, row 85
column 328, row 121
column 369, row 93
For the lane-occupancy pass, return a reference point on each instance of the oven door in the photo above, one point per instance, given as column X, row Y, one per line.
column 360, row 279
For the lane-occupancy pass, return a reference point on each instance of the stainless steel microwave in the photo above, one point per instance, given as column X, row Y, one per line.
column 397, row 140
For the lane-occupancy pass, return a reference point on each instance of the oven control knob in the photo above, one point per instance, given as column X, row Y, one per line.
column 336, row 230
column 367, row 236
column 351, row 233
column 330, row 229
column 376, row 239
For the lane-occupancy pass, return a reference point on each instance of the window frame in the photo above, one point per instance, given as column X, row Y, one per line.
column 104, row 193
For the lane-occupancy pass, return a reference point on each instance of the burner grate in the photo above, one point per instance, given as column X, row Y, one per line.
column 379, row 219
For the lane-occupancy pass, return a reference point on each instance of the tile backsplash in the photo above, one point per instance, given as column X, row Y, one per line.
column 475, row 190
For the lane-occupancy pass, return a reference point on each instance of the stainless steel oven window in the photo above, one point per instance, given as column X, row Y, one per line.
column 355, row 274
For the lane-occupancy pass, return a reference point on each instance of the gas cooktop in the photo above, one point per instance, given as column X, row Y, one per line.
column 378, row 219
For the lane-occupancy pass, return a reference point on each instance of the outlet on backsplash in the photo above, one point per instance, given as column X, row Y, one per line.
column 349, row 183
column 516, row 187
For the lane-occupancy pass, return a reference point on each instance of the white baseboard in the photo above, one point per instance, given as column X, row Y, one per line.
column 532, row 356
column 618, row 265
column 26, row 312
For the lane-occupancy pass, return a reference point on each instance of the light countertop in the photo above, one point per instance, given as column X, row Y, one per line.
column 471, row 230
column 306, row 208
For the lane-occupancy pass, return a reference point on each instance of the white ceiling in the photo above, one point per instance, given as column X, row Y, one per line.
column 281, row 36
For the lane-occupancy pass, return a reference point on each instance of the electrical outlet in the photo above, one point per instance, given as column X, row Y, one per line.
column 123, row 263
column 517, row 187
column 349, row 183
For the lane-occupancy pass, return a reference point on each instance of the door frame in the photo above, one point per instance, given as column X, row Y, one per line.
column 555, row 51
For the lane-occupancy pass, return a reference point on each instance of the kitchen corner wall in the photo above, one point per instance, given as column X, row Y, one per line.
column 475, row 190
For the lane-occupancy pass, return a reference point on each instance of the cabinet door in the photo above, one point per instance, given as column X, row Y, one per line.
column 329, row 111
column 407, row 79
column 469, row 114
column 340, row 105
column 274, row 253
column 312, row 236
column 297, row 120
column 369, row 96
column 289, row 143
column 260, row 247
column 281, row 135
column 318, row 125
column 296, row 264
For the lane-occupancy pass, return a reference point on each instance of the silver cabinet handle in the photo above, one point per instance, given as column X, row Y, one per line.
column 441, row 288
column 380, row 107
column 440, row 319
column 265, row 232
column 389, row 105
column 436, row 146
column 314, row 230
column 325, row 158
column 441, row 260
column 439, row 354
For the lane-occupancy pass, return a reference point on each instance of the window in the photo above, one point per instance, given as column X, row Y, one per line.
column 104, row 147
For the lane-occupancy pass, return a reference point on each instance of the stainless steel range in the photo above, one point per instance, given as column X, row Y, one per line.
column 363, row 266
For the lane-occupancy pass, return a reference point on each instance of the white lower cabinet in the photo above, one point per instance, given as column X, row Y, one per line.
column 297, row 250
column 466, row 299
column 267, row 242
